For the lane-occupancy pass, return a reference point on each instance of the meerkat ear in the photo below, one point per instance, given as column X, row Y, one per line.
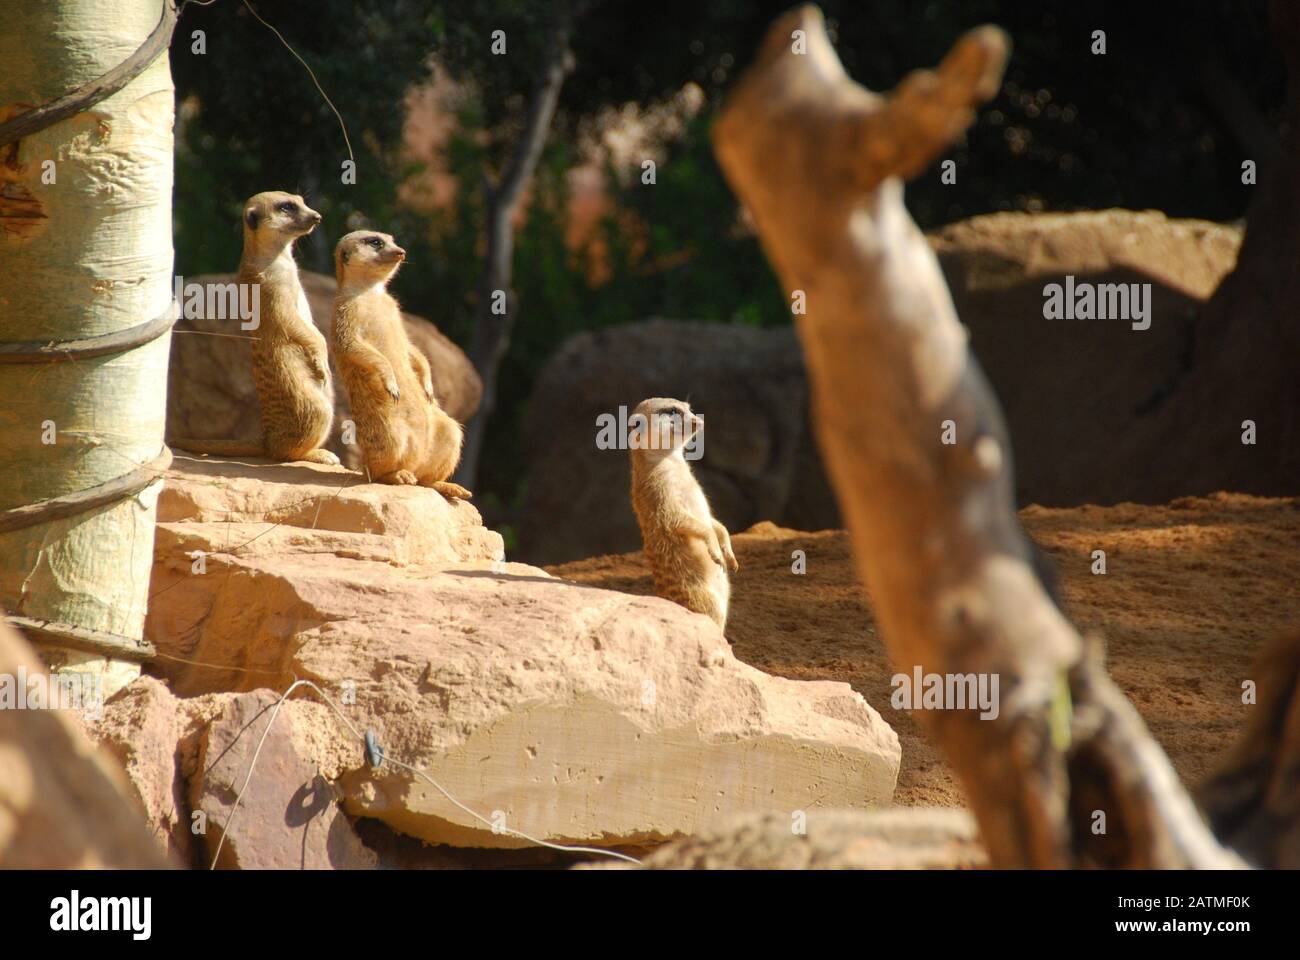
column 343, row 255
column 251, row 218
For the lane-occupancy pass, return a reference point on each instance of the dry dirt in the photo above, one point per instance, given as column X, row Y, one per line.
column 1192, row 590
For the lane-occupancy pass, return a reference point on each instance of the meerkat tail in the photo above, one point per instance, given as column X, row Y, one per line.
column 220, row 448
column 453, row 491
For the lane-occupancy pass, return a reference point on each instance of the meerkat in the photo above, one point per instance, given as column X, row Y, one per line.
column 290, row 357
column 405, row 436
column 689, row 551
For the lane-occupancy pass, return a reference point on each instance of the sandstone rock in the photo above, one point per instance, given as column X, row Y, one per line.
column 580, row 714
column 289, row 815
column 212, row 512
column 301, row 507
column 149, row 731
column 154, row 736
column 1068, row 387
column 64, row 803
column 896, row 839
column 210, row 392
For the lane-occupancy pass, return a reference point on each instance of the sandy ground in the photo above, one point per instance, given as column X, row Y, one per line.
column 1192, row 590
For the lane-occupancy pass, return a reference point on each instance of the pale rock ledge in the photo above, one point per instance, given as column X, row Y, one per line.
column 572, row 713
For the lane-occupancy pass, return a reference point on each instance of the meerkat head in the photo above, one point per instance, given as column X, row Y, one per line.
column 275, row 218
column 366, row 257
column 663, row 427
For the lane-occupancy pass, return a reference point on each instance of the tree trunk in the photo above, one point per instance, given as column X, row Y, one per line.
column 501, row 203
column 85, row 241
column 818, row 161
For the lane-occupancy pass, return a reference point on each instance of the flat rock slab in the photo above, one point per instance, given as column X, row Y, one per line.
column 305, row 507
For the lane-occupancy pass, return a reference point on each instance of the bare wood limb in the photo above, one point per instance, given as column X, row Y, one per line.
column 817, row 160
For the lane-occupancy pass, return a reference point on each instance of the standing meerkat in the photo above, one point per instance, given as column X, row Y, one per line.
column 405, row 435
column 688, row 550
column 290, row 358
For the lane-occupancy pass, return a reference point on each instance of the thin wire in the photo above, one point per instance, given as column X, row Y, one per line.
column 208, row 333
column 313, row 78
column 419, row 773
column 218, row 666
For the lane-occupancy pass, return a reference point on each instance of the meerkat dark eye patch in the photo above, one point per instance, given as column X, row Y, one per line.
column 375, row 242
column 286, row 207
column 252, row 219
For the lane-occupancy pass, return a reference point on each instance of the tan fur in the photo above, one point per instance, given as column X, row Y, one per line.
column 688, row 550
column 290, row 357
column 404, row 434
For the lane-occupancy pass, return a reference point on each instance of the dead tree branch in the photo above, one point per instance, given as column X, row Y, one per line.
column 818, row 161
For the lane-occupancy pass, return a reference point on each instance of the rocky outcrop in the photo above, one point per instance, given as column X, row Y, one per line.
column 289, row 815
column 152, row 735
column 1069, row 388
column 210, row 392
column 570, row 713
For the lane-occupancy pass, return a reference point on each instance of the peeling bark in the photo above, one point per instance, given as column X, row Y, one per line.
column 91, row 272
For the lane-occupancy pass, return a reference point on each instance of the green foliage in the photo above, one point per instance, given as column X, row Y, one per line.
column 262, row 125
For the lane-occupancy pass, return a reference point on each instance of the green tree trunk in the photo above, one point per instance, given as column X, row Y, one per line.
column 85, row 251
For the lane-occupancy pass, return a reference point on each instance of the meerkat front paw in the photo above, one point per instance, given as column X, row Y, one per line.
column 391, row 387
column 732, row 564
column 399, row 478
column 428, row 389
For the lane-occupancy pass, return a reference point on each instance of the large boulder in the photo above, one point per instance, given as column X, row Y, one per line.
column 571, row 713
column 1069, row 388
column 289, row 815
column 188, row 760
column 210, row 392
